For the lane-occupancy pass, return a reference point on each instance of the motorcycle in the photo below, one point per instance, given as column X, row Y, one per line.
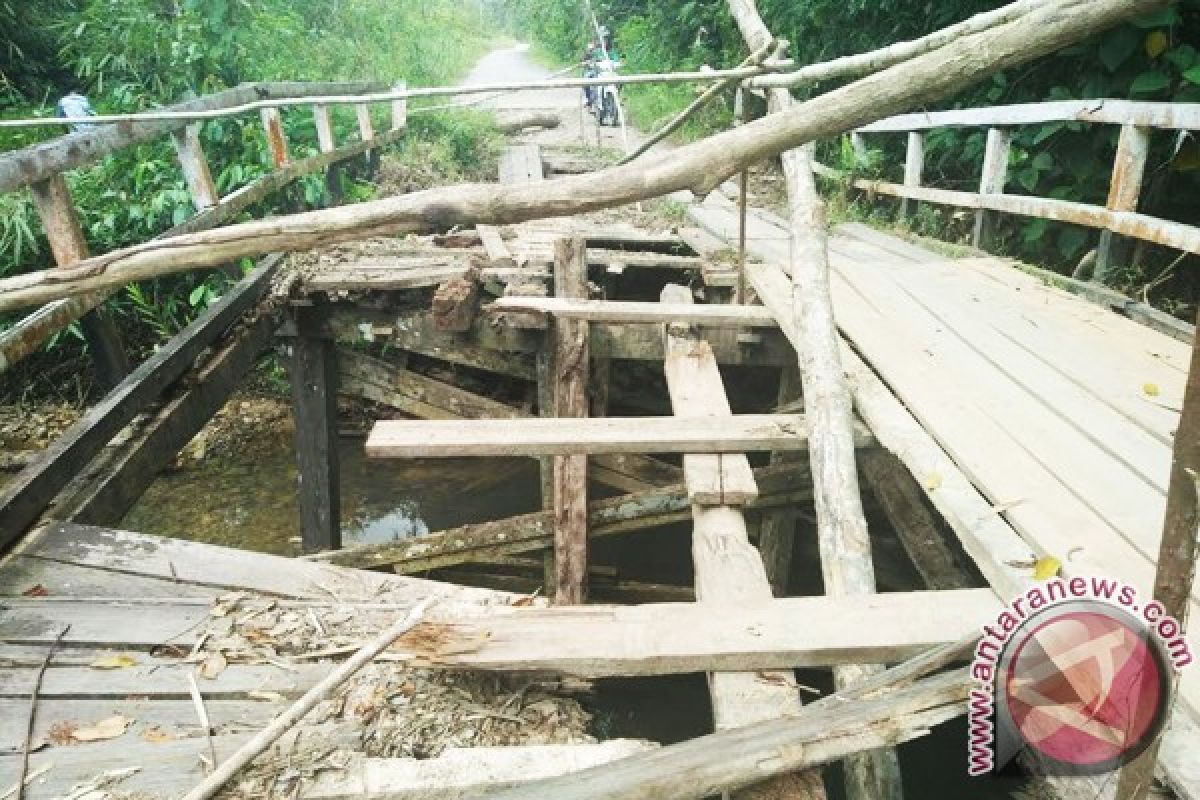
column 604, row 97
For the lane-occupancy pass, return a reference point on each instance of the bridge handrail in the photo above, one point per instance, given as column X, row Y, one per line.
column 1119, row 215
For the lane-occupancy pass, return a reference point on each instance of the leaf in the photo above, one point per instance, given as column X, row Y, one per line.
column 1117, row 47
column 1071, row 241
column 157, row 735
column 1150, row 389
column 1150, row 81
column 1156, row 44
column 114, row 662
column 933, row 481
column 1043, row 162
column 110, row 728
column 1183, row 56
column 37, row 590
column 1192, row 75
column 1046, row 568
column 213, row 666
column 1157, row 19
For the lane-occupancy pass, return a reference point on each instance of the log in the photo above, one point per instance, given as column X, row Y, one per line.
column 570, row 382
column 700, row 167
column 635, row 312
column 844, row 545
column 533, row 119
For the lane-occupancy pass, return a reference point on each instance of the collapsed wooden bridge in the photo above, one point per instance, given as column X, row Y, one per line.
column 1012, row 409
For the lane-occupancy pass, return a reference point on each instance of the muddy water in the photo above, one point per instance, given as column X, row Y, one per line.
column 254, row 505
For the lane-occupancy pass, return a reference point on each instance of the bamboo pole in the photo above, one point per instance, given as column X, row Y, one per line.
column 700, row 167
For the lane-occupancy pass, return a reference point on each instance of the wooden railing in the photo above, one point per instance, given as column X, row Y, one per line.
column 1118, row 216
column 41, row 166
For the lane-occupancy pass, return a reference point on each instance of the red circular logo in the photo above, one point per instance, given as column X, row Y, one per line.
column 1085, row 688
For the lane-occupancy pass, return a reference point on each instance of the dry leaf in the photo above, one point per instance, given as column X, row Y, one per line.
column 1046, row 568
column 114, row 662
column 110, row 728
column 273, row 697
column 157, row 735
column 37, row 590
column 1150, row 389
column 933, row 481
column 213, row 666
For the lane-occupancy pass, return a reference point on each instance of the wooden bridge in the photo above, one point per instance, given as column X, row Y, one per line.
column 1034, row 415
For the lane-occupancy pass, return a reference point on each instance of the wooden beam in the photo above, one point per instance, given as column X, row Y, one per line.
column 570, row 382
column 382, row 382
column 493, row 244
column 556, row 436
column 313, row 374
column 24, row 497
column 195, row 167
column 277, row 145
column 1129, row 166
column 995, row 175
column 626, row 513
column 914, row 166
column 696, row 389
column 52, row 197
column 777, row 528
column 647, row 313
column 1171, row 116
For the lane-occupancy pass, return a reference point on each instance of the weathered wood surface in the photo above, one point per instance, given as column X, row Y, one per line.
column 515, row 123
column 721, row 633
column 521, row 163
column 196, row 173
column 630, row 311
column 27, row 494
column 642, row 509
column 696, row 390
column 555, row 436
column 493, row 244
column 569, row 379
column 461, row 771
column 427, row 398
column 1110, row 111
column 700, row 166
column 313, row 373
column 732, row 760
column 777, row 528
column 420, row 274
column 1047, row 461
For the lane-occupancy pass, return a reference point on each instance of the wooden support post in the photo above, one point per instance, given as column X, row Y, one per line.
column 914, row 165
column 777, row 529
column 195, row 167
column 859, row 145
column 995, row 175
column 400, row 108
column 570, row 381
column 276, row 138
column 1126, row 186
column 366, row 132
column 314, row 376
column 1177, row 553
column 61, row 224
column 325, row 138
column 739, row 295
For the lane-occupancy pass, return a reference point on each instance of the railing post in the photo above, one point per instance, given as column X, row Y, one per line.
column 1124, row 189
column 995, row 175
column 400, row 108
column 53, row 200
column 276, row 140
column 366, row 132
column 914, row 165
column 325, row 139
column 195, row 167
column 859, row 145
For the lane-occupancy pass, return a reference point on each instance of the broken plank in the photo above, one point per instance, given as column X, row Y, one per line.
column 460, row 771
column 382, row 382
column 650, row 313
column 558, row 436
column 696, row 389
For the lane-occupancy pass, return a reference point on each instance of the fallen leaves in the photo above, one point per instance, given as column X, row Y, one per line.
column 109, row 728
column 37, row 590
column 1150, row 389
column 933, row 481
column 119, row 661
column 213, row 665
column 1046, row 568
column 157, row 735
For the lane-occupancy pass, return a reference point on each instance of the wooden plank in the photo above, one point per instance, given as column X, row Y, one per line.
column 1178, row 116
column 136, row 463
column 424, row 397
column 777, row 528
column 460, row 771
column 650, row 313
column 25, row 496
column 19, row 574
column 733, row 628
column 494, row 246
column 696, row 390
column 63, row 230
column 210, row 566
column 160, row 679
column 355, row 277
column 313, row 373
column 995, row 175
column 570, row 382
column 521, row 163
column 196, row 173
column 640, row 510
column 556, row 436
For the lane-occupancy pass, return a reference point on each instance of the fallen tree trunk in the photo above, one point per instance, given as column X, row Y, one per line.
column 700, row 167
column 533, row 119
